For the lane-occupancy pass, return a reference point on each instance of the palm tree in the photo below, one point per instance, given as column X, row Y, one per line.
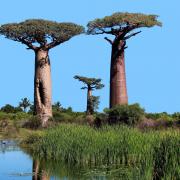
column 25, row 103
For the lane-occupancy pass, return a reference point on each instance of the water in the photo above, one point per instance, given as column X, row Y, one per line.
column 15, row 164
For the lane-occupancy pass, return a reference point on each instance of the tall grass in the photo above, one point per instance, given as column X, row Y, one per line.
column 154, row 154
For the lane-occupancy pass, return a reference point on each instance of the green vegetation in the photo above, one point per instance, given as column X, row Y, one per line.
column 11, row 123
column 40, row 31
column 13, row 119
column 153, row 154
column 128, row 114
column 123, row 20
column 10, row 109
column 144, row 149
column 91, row 84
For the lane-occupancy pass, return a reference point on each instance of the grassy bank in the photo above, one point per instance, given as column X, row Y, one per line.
column 151, row 154
column 11, row 125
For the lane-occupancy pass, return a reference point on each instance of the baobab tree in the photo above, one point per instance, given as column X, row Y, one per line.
column 90, row 84
column 120, row 25
column 41, row 36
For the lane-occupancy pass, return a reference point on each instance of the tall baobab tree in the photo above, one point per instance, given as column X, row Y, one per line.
column 120, row 25
column 41, row 36
column 90, row 84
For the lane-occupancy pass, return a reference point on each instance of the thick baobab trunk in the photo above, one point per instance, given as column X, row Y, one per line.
column 89, row 105
column 118, row 90
column 42, row 86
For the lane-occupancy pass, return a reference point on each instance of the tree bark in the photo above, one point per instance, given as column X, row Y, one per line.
column 89, row 106
column 118, row 89
column 42, row 86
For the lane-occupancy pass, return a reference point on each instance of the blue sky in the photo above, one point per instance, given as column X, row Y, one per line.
column 152, row 63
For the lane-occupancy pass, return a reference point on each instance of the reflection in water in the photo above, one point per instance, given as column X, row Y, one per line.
column 44, row 170
column 8, row 145
column 39, row 172
column 25, row 169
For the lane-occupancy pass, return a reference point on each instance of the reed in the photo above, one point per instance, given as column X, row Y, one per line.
column 152, row 154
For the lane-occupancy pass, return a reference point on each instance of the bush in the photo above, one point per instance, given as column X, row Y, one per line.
column 155, row 116
column 10, row 109
column 164, row 123
column 176, row 116
column 128, row 114
column 62, row 117
column 147, row 124
column 80, row 118
column 100, row 119
column 14, row 116
column 33, row 123
column 69, row 117
column 32, row 138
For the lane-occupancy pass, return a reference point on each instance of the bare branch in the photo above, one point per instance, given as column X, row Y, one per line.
column 53, row 44
column 28, row 44
column 109, row 40
column 133, row 34
column 125, row 31
column 84, row 87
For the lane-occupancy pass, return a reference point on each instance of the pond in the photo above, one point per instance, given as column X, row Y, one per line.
column 15, row 164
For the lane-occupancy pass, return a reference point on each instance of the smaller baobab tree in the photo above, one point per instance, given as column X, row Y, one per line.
column 90, row 84
column 24, row 104
column 121, row 26
column 41, row 36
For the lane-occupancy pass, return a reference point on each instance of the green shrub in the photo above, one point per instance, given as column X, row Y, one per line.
column 33, row 123
column 155, row 116
column 69, row 117
column 80, row 118
column 10, row 109
column 176, row 116
column 164, row 122
column 33, row 138
column 128, row 114
column 100, row 119
column 14, row 116
column 62, row 117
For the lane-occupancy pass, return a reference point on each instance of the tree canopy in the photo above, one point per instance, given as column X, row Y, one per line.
column 91, row 83
column 121, row 22
column 47, row 34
